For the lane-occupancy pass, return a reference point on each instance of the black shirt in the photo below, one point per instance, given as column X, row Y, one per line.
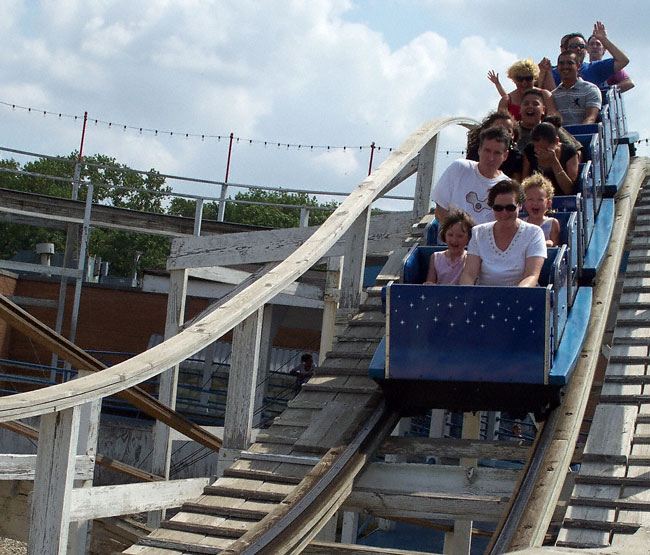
column 566, row 153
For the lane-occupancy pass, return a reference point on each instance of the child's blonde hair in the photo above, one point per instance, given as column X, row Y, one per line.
column 538, row 180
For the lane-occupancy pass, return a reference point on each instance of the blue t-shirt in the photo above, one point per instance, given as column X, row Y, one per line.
column 595, row 72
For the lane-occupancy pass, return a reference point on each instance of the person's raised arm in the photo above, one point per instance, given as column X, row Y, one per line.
column 625, row 85
column 502, row 107
column 494, row 78
column 471, row 270
column 531, row 271
column 620, row 58
column 546, row 79
column 571, row 170
column 549, row 102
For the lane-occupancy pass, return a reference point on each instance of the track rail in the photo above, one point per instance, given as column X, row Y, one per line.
column 528, row 517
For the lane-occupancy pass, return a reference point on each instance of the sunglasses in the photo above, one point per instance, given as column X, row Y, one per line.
column 500, row 207
column 522, row 78
column 576, row 45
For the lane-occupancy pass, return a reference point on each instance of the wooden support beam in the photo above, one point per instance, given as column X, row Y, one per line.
column 39, row 268
column 55, row 464
column 47, row 211
column 23, row 467
column 162, row 442
column 424, row 181
column 244, row 364
column 330, row 306
column 125, row 499
column 466, row 448
column 354, row 261
column 432, row 491
column 386, row 233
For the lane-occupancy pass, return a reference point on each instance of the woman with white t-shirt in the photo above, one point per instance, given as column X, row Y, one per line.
column 507, row 251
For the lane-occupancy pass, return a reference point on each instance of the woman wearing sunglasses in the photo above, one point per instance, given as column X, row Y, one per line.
column 525, row 74
column 507, row 251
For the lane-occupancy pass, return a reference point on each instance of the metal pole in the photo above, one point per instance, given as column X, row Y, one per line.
column 232, row 136
column 372, row 155
column 71, row 234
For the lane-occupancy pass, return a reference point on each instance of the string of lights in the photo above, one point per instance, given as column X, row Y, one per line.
column 156, row 132
column 187, row 135
column 225, row 136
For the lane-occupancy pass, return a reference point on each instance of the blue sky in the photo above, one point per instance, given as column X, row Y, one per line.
column 319, row 72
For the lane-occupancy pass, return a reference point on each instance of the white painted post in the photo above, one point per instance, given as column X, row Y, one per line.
column 240, row 400
column 356, row 240
column 460, row 541
column 222, row 203
column 330, row 304
column 198, row 216
column 349, row 527
column 55, row 466
column 161, row 456
column 304, row 217
column 438, row 425
column 492, row 427
column 424, row 180
column 81, row 263
column 72, row 232
column 273, row 316
column 89, row 419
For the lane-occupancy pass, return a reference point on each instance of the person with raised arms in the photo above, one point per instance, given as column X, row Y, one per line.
column 596, row 52
column 596, row 71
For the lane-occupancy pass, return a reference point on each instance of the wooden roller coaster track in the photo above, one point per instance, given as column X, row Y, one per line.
column 286, row 487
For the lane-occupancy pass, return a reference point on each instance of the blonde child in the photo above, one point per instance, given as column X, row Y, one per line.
column 445, row 267
column 538, row 192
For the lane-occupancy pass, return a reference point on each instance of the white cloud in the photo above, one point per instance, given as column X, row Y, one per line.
column 298, row 72
column 340, row 162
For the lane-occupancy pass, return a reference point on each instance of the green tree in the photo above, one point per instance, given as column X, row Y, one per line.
column 114, row 184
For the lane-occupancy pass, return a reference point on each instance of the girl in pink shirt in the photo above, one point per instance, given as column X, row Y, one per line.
column 445, row 267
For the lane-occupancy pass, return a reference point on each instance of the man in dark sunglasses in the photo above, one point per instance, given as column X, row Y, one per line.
column 596, row 72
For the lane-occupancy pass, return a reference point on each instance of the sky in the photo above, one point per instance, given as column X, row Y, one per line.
column 162, row 80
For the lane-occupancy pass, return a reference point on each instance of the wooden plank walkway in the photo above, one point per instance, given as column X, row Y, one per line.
column 611, row 497
column 327, row 412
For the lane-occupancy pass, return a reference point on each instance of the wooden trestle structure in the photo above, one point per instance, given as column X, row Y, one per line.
column 277, row 494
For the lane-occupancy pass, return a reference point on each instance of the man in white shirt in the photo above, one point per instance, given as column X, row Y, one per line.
column 465, row 183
